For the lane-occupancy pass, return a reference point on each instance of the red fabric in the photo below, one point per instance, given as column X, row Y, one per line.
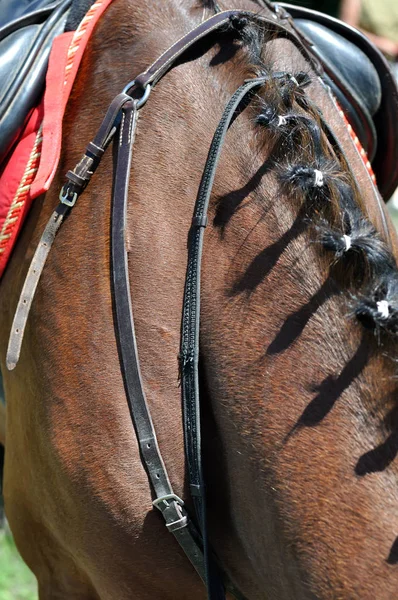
column 55, row 100
column 59, row 82
column 15, row 167
column 9, row 182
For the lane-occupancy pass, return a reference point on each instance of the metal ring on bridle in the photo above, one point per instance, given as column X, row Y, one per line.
column 146, row 91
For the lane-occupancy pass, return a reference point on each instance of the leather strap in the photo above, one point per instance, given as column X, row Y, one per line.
column 171, row 507
column 176, row 518
column 218, row 21
column 168, row 58
column 78, row 180
column 30, row 285
column 189, row 352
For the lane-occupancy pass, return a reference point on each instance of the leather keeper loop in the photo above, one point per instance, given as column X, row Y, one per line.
column 142, row 80
column 200, row 221
column 77, row 179
column 95, row 150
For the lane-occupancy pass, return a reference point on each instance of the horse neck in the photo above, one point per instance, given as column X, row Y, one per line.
column 293, row 395
column 302, row 397
column 284, row 446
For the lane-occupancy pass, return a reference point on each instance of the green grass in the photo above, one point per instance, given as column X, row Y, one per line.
column 16, row 581
column 393, row 213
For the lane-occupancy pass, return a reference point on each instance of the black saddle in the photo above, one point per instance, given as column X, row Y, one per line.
column 27, row 30
column 363, row 84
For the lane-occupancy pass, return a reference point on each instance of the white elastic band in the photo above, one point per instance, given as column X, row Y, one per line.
column 281, row 120
column 347, row 241
column 318, row 178
column 383, row 308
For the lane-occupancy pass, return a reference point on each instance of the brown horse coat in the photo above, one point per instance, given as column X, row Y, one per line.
column 298, row 399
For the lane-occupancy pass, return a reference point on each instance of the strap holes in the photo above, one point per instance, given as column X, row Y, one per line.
column 148, row 445
column 17, row 331
column 24, row 301
column 157, row 476
column 44, row 244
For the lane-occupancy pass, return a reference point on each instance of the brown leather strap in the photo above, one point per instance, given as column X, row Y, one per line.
column 78, row 179
column 172, row 508
column 166, row 60
column 30, row 285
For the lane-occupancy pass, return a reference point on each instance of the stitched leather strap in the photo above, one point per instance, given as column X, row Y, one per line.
column 218, row 21
column 172, row 507
column 168, row 58
column 189, row 352
column 69, row 194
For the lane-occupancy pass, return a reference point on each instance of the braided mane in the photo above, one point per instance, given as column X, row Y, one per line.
column 310, row 167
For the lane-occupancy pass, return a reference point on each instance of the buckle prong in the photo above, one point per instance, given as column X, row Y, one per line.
column 165, row 498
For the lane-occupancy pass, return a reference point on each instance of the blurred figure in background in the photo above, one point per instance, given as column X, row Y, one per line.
column 378, row 20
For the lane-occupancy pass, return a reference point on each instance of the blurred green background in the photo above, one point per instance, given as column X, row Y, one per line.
column 16, row 581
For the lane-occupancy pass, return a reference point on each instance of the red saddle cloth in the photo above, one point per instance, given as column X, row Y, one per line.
column 31, row 167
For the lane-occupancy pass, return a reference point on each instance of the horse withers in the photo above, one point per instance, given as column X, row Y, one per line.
column 298, row 325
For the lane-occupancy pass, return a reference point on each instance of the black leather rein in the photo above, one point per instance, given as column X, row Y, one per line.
column 119, row 124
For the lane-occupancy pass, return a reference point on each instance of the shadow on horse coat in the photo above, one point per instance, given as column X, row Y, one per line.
column 297, row 394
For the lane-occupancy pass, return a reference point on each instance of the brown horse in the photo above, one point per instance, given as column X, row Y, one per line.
column 299, row 313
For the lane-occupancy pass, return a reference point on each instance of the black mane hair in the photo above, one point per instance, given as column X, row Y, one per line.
column 76, row 13
column 211, row 5
column 309, row 165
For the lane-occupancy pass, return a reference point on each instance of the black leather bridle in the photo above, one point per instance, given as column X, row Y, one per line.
column 119, row 125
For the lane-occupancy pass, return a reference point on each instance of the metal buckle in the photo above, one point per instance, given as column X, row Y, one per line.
column 139, row 101
column 166, row 498
column 181, row 520
column 64, row 198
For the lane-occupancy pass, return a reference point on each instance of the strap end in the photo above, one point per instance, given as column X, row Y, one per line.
column 14, row 348
column 11, row 363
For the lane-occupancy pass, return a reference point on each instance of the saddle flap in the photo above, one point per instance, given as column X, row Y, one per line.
column 352, row 77
column 24, row 50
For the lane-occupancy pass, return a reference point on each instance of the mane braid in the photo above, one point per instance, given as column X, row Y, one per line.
column 309, row 164
column 377, row 307
column 212, row 5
